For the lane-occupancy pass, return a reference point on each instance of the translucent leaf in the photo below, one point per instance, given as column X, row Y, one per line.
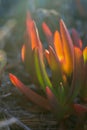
column 85, row 54
column 41, row 70
column 33, row 33
column 58, row 45
column 32, row 41
column 55, row 66
column 83, row 92
column 30, row 94
column 48, row 33
column 77, row 81
column 68, row 49
column 28, row 59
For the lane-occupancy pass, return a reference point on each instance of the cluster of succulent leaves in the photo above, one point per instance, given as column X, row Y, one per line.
column 67, row 60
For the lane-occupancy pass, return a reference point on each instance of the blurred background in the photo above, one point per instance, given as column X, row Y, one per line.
column 13, row 16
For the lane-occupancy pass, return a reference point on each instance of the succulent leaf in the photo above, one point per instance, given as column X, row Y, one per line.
column 48, row 33
column 55, row 67
column 68, row 49
column 85, row 54
column 61, row 94
column 83, row 92
column 58, row 46
column 32, row 33
column 41, row 70
column 30, row 94
column 77, row 73
column 80, row 109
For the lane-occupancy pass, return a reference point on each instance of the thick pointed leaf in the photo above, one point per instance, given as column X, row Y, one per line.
column 85, row 54
column 61, row 94
column 26, row 52
column 28, row 60
column 83, row 92
column 52, row 59
column 55, row 66
column 58, row 46
column 33, row 33
column 41, row 70
column 76, row 39
column 80, row 109
column 77, row 81
column 68, row 49
column 48, row 33
column 30, row 94
column 32, row 41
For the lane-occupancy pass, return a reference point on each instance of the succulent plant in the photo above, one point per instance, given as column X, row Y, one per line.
column 68, row 66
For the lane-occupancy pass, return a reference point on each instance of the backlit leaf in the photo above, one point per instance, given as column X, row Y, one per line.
column 48, row 33
column 58, row 46
column 55, row 67
column 33, row 33
column 68, row 48
column 77, row 73
column 30, row 94
column 85, row 54
column 41, row 70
